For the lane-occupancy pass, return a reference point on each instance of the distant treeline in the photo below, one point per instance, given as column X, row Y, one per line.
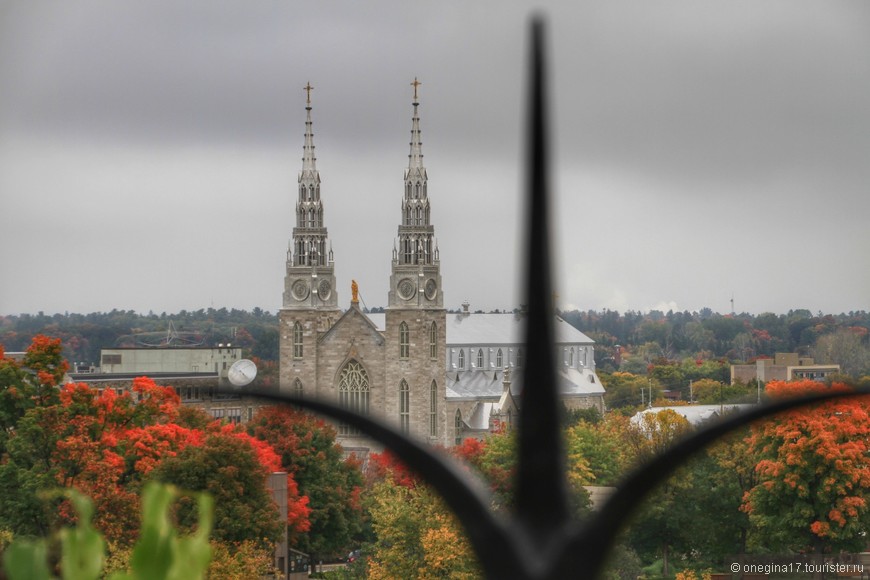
column 667, row 335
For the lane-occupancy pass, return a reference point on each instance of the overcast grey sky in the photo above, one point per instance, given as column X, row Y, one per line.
column 149, row 151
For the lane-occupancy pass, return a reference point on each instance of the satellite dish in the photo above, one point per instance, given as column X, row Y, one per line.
column 242, row 372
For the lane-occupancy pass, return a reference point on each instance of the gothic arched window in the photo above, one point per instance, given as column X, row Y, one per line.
column 571, row 357
column 461, row 358
column 457, row 428
column 498, row 359
column 297, row 340
column 480, row 358
column 433, row 410
column 298, row 390
column 404, row 406
column 353, row 393
column 433, row 341
column 519, row 357
column 404, row 341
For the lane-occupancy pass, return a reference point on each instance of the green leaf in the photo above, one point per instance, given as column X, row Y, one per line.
column 26, row 560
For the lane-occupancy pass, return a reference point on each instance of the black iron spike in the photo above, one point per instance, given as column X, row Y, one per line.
column 540, row 490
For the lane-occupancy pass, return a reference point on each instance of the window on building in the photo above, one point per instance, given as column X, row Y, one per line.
column 353, row 393
column 404, row 406
column 457, row 428
column 519, row 357
column 461, row 358
column 498, row 359
column 480, row 358
column 298, row 389
column 571, row 357
column 433, row 341
column 297, row 340
column 433, row 409
column 404, row 341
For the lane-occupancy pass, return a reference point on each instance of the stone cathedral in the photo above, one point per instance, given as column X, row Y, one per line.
column 395, row 372
column 435, row 376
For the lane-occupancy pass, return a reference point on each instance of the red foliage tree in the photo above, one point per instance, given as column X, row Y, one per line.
column 813, row 471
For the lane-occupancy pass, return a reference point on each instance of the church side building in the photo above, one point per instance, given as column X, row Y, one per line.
column 394, row 373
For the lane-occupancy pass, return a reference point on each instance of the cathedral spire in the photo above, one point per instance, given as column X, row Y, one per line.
column 310, row 278
column 416, row 277
column 415, row 158
column 308, row 157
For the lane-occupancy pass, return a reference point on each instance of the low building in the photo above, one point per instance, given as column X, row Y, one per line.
column 195, row 373
column 694, row 414
column 785, row 366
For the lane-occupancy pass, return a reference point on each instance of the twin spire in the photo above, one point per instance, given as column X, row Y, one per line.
column 417, row 247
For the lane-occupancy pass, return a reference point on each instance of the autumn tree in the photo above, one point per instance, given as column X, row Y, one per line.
column 813, row 472
column 228, row 468
column 416, row 536
column 661, row 525
column 308, row 451
column 33, row 382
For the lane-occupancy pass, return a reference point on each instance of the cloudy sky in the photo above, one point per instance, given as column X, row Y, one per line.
column 149, row 151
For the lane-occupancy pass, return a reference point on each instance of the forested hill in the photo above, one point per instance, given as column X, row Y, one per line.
column 671, row 335
column 83, row 335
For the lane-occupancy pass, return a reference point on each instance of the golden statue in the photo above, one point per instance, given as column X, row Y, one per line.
column 354, row 290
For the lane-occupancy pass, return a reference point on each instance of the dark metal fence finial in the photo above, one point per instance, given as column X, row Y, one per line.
column 541, row 498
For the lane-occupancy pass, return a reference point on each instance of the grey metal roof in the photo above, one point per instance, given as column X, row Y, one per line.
column 694, row 414
column 467, row 329
column 483, row 384
column 491, row 328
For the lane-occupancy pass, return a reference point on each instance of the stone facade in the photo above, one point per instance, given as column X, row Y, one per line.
column 394, row 373
column 402, row 366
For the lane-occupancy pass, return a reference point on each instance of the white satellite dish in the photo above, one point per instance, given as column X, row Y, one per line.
column 242, row 372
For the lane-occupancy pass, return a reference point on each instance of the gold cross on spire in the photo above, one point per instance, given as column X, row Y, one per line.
column 307, row 88
column 415, row 84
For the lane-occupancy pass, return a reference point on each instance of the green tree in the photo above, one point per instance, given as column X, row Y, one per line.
column 847, row 347
column 416, row 536
column 309, row 452
column 662, row 525
column 227, row 468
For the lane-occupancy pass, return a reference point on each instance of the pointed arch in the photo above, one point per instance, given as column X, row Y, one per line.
column 297, row 340
column 461, row 359
column 433, row 409
column 433, row 341
column 480, row 358
column 298, row 389
column 404, row 406
column 353, row 393
column 457, row 428
column 404, row 341
column 498, row 359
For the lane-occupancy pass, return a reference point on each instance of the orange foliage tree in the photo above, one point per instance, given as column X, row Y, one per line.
column 105, row 444
column 813, row 472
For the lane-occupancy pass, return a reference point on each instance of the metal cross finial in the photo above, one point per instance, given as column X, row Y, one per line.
column 415, row 84
column 307, row 88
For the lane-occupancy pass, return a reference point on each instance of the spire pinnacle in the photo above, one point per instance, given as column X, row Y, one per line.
column 415, row 159
column 308, row 157
column 416, row 84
